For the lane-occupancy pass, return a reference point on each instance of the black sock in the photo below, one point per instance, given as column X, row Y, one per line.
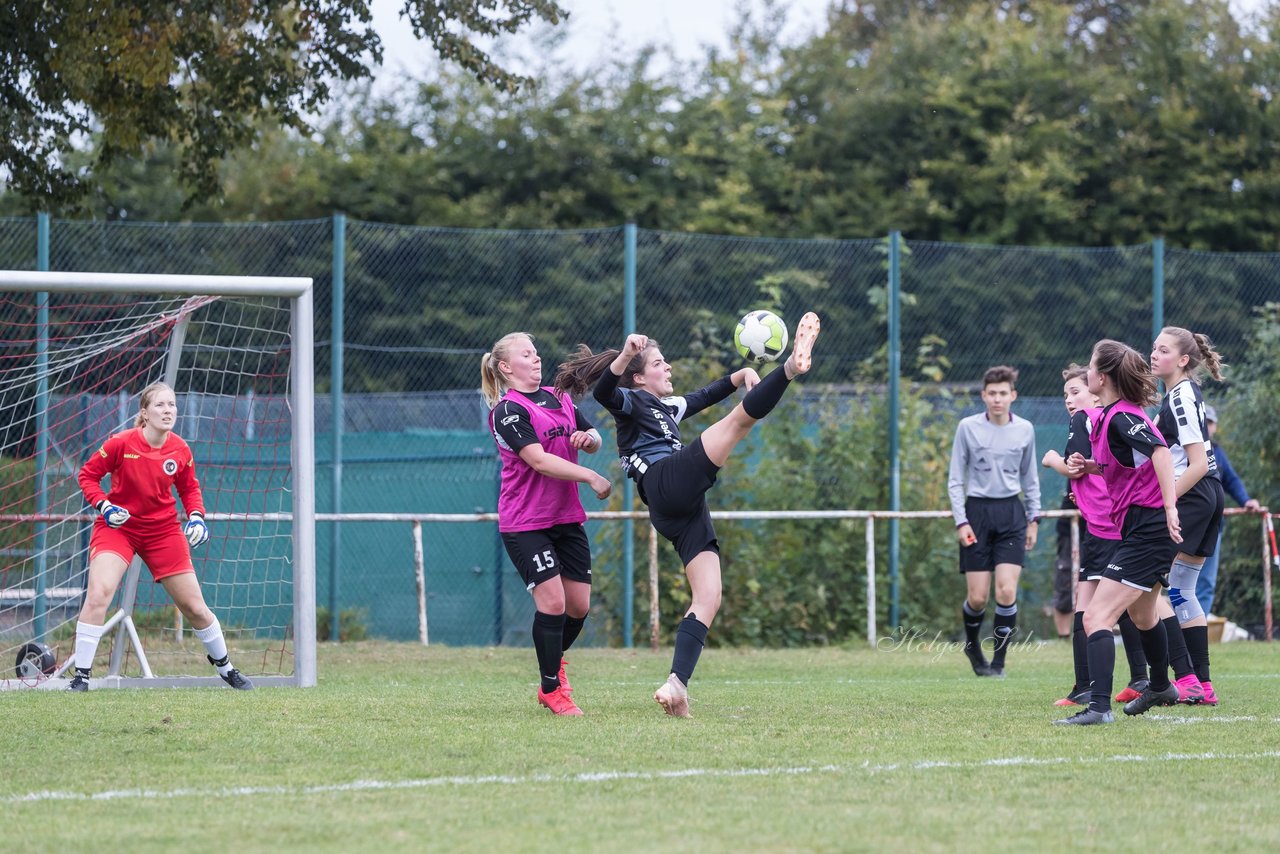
column 1197, row 638
column 548, row 640
column 1179, row 657
column 1133, row 648
column 972, row 627
column 572, row 628
column 1102, row 668
column 691, row 637
column 1080, row 651
column 1155, row 643
column 1006, row 626
column 761, row 400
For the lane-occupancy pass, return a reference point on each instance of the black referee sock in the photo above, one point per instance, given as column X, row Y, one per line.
column 572, row 628
column 1102, row 666
column 972, row 625
column 1080, row 651
column 761, row 400
column 691, row 637
column 1132, row 637
column 1197, row 638
column 1179, row 657
column 548, row 640
column 1005, row 627
column 1155, row 643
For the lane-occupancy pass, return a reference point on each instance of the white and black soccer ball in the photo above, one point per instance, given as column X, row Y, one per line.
column 761, row 336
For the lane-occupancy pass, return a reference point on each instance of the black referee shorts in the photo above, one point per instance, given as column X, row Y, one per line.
column 1000, row 531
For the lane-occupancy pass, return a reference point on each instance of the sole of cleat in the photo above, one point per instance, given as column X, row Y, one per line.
column 673, row 697
column 806, row 333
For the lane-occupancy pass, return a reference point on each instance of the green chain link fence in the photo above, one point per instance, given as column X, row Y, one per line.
column 420, row 305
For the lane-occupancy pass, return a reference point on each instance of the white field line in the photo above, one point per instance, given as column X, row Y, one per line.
column 607, row 776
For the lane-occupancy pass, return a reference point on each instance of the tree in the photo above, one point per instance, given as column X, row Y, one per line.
column 201, row 75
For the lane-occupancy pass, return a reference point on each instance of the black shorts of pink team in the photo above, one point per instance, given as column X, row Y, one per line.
column 1200, row 514
column 1095, row 554
column 675, row 488
column 1145, row 553
column 561, row 550
column 1000, row 533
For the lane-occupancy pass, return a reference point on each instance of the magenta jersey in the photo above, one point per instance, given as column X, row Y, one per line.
column 1127, row 486
column 1092, row 497
column 529, row 501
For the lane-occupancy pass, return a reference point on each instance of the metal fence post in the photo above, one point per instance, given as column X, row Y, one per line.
column 628, row 526
column 336, row 369
column 895, row 371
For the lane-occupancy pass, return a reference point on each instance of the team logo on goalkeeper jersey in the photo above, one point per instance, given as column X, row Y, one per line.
column 170, row 467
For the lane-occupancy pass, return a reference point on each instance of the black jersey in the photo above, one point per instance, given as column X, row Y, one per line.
column 1181, row 422
column 511, row 425
column 1130, row 440
column 648, row 426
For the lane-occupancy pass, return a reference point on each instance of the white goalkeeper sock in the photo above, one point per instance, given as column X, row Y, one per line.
column 87, row 637
column 216, row 645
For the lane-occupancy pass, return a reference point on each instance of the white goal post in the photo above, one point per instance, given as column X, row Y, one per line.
column 75, row 350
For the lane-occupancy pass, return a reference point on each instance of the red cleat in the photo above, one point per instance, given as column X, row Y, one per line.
column 564, row 679
column 1133, row 690
column 559, row 702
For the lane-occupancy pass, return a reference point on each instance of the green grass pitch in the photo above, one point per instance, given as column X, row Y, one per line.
column 405, row 748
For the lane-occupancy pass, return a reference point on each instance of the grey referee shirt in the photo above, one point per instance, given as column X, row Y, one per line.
column 988, row 461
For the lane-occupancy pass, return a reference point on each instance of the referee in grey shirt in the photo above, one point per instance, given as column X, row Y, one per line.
column 992, row 461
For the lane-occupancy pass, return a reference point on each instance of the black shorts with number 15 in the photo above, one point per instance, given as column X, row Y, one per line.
column 544, row 554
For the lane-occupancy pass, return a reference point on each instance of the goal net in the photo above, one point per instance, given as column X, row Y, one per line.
column 75, row 351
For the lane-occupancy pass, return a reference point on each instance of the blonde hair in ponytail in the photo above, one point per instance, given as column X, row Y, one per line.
column 144, row 400
column 1196, row 346
column 493, row 385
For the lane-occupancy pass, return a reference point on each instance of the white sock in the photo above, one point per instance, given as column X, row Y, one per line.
column 215, row 644
column 87, row 637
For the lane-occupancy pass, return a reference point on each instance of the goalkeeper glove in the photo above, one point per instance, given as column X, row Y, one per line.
column 112, row 514
column 196, row 531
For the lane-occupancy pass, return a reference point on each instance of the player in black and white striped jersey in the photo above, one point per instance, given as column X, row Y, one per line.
column 1178, row 356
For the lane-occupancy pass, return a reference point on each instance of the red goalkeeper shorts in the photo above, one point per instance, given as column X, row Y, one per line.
column 163, row 549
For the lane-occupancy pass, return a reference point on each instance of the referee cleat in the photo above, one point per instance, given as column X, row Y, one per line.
column 80, row 682
column 1088, row 717
column 1150, row 698
column 802, row 351
column 673, row 696
column 1210, row 698
column 1190, row 691
column 560, row 703
column 564, row 679
column 1077, row 697
column 995, row 671
column 977, row 660
column 1133, row 690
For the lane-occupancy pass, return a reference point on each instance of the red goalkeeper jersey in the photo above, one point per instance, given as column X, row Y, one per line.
column 143, row 478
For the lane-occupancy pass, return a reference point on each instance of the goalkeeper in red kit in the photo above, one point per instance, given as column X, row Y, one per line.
column 139, row 517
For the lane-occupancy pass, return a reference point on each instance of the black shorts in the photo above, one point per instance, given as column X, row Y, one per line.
column 1095, row 554
column 1145, row 551
column 675, row 488
column 1000, row 531
column 561, row 550
column 1200, row 514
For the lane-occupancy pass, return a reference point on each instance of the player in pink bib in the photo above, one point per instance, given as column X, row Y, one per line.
column 1134, row 462
column 539, row 432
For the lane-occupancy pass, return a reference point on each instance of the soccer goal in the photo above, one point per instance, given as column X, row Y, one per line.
column 75, row 350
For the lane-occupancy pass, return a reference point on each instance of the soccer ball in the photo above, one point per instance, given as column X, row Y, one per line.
column 761, row 336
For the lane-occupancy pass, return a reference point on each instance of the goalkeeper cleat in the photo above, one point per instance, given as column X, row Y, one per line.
column 564, row 678
column 1076, row 697
column 1151, row 698
column 235, row 679
column 1210, row 698
column 673, row 696
column 1190, row 691
column 1088, row 717
column 559, row 702
column 1133, row 690
column 79, row 682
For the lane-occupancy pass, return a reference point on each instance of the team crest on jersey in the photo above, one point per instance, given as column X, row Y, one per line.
column 170, row 467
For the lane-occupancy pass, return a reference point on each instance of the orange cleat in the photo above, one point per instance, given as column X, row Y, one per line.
column 560, row 703
column 564, row 679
